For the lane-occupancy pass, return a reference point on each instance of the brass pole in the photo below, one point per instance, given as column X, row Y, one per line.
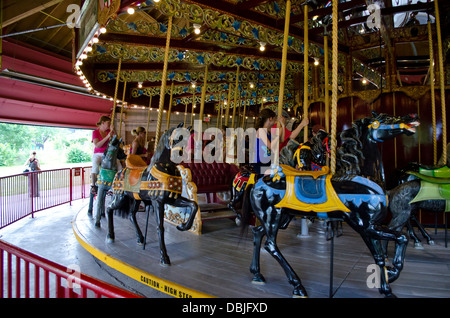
column 227, row 113
column 115, row 93
column 441, row 80
column 148, row 118
column 170, row 106
column 163, row 82
column 334, row 87
column 327, row 95
column 287, row 18
column 433, row 101
column 202, row 101
column 235, row 96
column 121, row 109
column 305, row 70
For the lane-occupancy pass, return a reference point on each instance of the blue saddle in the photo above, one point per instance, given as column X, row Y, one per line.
column 310, row 190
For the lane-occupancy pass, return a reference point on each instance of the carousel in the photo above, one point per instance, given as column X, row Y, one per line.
column 336, row 211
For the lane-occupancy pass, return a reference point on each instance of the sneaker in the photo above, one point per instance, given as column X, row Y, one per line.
column 94, row 189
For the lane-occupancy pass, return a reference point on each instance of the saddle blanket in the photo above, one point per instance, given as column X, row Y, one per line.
column 311, row 194
column 126, row 181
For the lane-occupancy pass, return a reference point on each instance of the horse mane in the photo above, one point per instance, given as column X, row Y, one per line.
column 349, row 156
column 163, row 144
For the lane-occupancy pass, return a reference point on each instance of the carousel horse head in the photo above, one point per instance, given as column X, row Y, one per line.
column 164, row 147
column 113, row 152
column 384, row 127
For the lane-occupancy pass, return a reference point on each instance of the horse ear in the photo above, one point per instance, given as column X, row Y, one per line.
column 180, row 125
column 374, row 113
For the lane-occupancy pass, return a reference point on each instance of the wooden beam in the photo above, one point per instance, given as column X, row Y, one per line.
column 21, row 10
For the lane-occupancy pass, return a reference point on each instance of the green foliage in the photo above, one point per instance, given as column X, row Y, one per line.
column 77, row 155
column 7, row 155
column 53, row 144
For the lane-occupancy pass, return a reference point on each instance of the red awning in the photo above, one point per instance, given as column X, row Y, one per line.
column 37, row 87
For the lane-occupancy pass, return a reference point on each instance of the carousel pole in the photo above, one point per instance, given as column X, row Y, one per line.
column 327, row 95
column 148, row 118
column 121, row 109
column 202, row 101
column 115, row 93
column 185, row 114
column 441, row 80
column 235, row 96
column 287, row 18
column 334, row 87
column 163, row 81
column 170, row 106
column 193, row 105
column 433, row 101
column 227, row 113
column 305, row 70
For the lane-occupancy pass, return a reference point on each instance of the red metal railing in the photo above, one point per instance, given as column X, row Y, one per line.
column 23, row 194
column 26, row 275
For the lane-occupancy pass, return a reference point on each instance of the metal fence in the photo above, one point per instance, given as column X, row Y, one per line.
column 26, row 275
column 23, row 194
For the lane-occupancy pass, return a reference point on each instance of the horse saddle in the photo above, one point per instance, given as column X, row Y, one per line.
column 434, row 185
column 135, row 166
column 310, row 191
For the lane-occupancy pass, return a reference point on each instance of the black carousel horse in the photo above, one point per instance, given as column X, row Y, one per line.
column 157, row 184
column 354, row 194
column 108, row 169
column 310, row 155
column 423, row 187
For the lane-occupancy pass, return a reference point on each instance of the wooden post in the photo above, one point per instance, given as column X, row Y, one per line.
column 163, row 82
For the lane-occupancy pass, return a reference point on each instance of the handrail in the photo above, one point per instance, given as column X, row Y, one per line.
column 65, row 279
column 26, row 193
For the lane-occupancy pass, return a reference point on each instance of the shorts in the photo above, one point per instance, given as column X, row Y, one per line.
column 96, row 162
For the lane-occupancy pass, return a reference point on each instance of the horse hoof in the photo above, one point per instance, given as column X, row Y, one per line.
column 390, row 295
column 97, row 224
column 418, row 246
column 258, row 279
column 109, row 240
column 164, row 263
column 299, row 292
column 89, row 214
column 431, row 242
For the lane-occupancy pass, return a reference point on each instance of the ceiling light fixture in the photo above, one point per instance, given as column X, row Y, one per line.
column 197, row 28
column 262, row 47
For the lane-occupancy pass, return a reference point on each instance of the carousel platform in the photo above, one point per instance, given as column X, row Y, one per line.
column 216, row 263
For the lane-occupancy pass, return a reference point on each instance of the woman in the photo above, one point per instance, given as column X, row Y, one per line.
column 100, row 139
column 261, row 155
column 32, row 164
column 138, row 144
column 286, row 134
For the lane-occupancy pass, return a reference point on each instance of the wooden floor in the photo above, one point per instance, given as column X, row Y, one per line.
column 217, row 262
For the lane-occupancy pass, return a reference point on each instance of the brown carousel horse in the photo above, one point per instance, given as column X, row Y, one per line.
column 158, row 184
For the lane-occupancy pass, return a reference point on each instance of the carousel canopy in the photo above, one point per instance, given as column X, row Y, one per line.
column 223, row 39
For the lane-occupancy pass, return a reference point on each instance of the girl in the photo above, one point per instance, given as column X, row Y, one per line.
column 261, row 154
column 138, row 144
column 100, row 139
